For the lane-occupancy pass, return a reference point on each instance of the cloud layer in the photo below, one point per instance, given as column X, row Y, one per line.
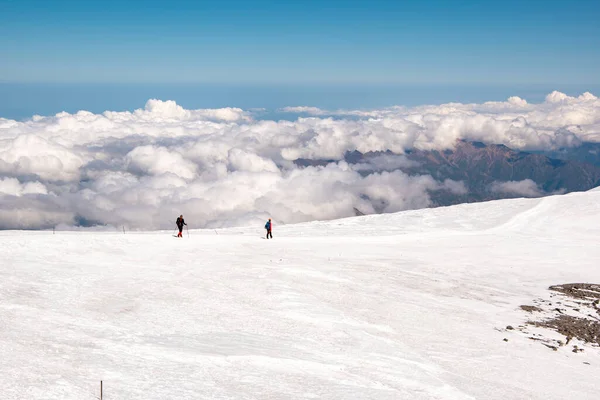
column 223, row 167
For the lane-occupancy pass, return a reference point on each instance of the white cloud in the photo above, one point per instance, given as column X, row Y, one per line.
column 303, row 109
column 159, row 160
column 557, row 97
column 171, row 110
column 517, row 101
column 12, row 186
column 31, row 154
column 456, row 187
column 241, row 160
column 222, row 167
column 526, row 187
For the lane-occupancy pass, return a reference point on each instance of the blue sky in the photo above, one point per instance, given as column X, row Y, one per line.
column 274, row 42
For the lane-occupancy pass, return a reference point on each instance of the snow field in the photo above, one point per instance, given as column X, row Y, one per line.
column 398, row 306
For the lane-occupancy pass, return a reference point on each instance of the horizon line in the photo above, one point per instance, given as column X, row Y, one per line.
column 307, row 83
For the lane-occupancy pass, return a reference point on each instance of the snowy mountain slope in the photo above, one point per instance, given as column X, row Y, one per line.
column 411, row 305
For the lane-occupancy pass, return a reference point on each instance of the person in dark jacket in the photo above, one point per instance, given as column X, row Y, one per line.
column 268, row 228
column 180, row 223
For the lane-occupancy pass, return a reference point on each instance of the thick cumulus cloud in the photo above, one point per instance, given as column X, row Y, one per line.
column 30, row 154
column 154, row 160
column 222, row 167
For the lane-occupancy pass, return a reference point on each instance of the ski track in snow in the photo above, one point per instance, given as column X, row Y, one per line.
column 399, row 306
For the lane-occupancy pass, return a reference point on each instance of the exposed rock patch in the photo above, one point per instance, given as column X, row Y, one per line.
column 574, row 327
column 584, row 291
column 577, row 317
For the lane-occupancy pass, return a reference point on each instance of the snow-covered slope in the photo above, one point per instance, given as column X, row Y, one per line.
column 405, row 306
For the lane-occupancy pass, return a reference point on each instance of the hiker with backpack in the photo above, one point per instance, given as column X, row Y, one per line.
column 268, row 228
column 180, row 223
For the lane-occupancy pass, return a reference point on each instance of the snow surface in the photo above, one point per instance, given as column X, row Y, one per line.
column 411, row 305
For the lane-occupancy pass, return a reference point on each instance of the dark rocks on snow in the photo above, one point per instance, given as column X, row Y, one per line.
column 580, row 328
column 586, row 291
column 531, row 308
column 550, row 346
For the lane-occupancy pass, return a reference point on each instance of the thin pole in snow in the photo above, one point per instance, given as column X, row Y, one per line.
column 187, row 230
column 100, row 390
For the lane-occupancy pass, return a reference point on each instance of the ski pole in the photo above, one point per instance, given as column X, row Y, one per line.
column 187, row 230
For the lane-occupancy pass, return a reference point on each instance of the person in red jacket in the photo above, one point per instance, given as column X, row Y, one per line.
column 180, row 223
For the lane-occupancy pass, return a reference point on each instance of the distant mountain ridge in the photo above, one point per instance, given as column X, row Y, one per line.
column 489, row 171
column 587, row 152
column 479, row 166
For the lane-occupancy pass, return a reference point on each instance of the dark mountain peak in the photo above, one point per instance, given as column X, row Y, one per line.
column 466, row 145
